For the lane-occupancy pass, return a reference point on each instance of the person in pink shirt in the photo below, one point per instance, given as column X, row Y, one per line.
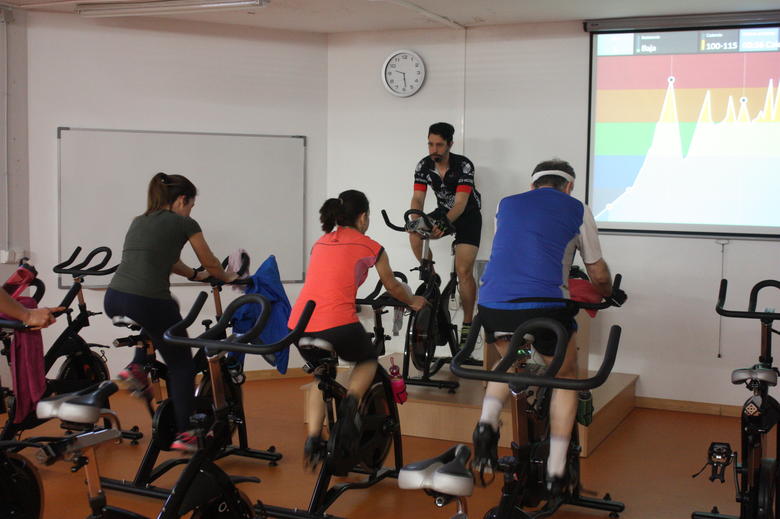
column 338, row 265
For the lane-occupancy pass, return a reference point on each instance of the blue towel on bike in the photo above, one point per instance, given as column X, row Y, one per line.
column 267, row 282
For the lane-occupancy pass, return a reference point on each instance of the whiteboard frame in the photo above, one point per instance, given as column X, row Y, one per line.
column 63, row 285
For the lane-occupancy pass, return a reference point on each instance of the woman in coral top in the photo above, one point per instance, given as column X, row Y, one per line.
column 338, row 265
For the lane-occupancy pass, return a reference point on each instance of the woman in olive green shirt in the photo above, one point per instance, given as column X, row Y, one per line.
column 140, row 288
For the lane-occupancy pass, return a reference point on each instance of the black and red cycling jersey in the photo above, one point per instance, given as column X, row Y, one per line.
column 459, row 178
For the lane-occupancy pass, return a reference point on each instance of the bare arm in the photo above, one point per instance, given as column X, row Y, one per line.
column 418, row 201
column 208, row 260
column 461, row 199
column 600, row 276
column 33, row 317
column 393, row 286
column 182, row 269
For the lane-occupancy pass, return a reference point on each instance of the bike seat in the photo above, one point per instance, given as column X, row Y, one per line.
column 315, row 342
column 83, row 406
column 446, row 474
column 125, row 322
column 767, row 375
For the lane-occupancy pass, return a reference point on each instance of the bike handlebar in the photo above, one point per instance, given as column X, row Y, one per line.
column 579, row 304
column 372, row 300
column 214, row 282
column 83, row 269
column 548, row 378
column 407, row 220
column 175, row 334
column 751, row 312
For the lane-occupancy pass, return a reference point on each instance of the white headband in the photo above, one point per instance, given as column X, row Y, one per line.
column 558, row 173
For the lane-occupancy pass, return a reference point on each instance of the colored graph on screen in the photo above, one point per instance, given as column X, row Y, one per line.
column 689, row 138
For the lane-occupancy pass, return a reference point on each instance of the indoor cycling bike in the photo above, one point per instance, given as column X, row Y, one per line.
column 524, row 494
column 432, row 326
column 756, row 476
column 82, row 366
column 379, row 418
column 161, row 409
column 203, row 490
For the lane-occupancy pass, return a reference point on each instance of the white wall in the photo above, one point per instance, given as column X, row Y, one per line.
column 526, row 100
column 521, row 90
column 165, row 75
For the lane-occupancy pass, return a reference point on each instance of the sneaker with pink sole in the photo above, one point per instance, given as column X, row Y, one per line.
column 185, row 442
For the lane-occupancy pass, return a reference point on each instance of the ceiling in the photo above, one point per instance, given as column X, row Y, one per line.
column 334, row 16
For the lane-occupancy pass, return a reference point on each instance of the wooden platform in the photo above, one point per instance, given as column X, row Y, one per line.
column 435, row 413
column 438, row 414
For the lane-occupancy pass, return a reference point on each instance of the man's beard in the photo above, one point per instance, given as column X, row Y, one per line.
column 436, row 157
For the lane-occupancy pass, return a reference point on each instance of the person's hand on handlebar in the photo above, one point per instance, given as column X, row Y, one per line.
column 417, row 303
column 38, row 318
column 617, row 298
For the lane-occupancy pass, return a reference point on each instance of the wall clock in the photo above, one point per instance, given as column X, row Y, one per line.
column 403, row 73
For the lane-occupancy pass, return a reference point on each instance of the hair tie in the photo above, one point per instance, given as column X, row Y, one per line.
column 164, row 178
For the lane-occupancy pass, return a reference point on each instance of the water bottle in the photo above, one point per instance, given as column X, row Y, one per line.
column 397, row 383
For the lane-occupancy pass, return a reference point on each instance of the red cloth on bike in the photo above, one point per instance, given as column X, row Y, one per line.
column 584, row 292
column 27, row 367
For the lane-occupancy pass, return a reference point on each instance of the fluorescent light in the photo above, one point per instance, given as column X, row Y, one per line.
column 105, row 10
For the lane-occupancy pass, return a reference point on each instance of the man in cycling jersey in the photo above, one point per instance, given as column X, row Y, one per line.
column 537, row 234
column 451, row 177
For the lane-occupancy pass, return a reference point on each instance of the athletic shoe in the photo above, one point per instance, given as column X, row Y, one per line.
column 314, row 452
column 557, row 487
column 185, row 442
column 136, row 380
column 485, row 440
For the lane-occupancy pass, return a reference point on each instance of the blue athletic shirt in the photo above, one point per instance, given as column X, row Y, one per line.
column 537, row 234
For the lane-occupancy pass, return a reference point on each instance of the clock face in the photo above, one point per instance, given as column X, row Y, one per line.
column 403, row 73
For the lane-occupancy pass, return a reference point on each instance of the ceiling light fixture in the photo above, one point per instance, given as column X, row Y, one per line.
column 162, row 7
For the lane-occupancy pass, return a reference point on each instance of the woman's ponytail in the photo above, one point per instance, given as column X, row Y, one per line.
column 329, row 213
column 165, row 189
column 343, row 210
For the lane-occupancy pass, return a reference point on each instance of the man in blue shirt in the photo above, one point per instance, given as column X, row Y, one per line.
column 537, row 234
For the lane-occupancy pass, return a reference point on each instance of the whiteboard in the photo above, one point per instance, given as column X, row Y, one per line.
column 250, row 191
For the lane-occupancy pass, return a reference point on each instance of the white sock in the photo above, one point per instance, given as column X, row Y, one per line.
column 556, row 463
column 491, row 411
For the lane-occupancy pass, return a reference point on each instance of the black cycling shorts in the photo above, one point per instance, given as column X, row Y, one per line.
column 350, row 341
column 494, row 320
column 468, row 228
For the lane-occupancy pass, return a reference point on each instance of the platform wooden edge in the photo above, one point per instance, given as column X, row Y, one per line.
column 685, row 406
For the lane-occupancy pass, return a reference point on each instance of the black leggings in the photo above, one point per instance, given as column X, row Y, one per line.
column 156, row 316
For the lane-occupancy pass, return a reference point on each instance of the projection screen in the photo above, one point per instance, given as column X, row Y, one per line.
column 685, row 131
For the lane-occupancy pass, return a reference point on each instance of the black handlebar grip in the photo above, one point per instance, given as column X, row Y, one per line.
column 83, row 268
column 40, row 289
column 13, row 324
column 757, row 288
column 391, row 224
column 58, row 268
column 616, row 282
column 724, row 284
